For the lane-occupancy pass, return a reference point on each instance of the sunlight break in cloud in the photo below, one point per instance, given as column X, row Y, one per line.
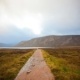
column 15, row 13
column 30, row 21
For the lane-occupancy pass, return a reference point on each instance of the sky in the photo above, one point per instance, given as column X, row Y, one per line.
column 22, row 20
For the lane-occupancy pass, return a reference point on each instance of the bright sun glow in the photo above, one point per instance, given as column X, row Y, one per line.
column 26, row 21
column 32, row 22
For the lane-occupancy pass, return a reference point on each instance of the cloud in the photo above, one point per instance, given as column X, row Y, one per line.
column 15, row 35
column 20, row 18
column 13, row 13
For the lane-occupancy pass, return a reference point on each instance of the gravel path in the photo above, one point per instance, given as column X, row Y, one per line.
column 35, row 69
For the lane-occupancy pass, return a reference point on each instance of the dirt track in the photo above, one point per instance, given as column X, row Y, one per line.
column 35, row 69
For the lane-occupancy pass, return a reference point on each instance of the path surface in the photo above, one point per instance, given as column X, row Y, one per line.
column 35, row 69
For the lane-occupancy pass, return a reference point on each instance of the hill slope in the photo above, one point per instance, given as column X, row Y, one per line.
column 52, row 41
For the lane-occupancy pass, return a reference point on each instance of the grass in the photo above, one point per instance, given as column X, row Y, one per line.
column 11, row 61
column 64, row 63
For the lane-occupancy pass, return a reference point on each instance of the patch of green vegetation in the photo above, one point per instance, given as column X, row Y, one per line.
column 11, row 61
column 64, row 63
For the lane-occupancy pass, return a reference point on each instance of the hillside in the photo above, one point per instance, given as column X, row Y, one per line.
column 52, row 41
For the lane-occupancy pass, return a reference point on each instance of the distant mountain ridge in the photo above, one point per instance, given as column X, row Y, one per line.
column 52, row 41
column 5, row 45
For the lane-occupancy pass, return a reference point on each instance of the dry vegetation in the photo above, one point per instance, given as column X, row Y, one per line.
column 11, row 61
column 64, row 63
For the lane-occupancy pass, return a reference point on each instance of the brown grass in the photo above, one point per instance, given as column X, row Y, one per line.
column 64, row 63
column 11, row 61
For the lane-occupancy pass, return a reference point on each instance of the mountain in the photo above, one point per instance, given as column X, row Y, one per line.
column 52, row 41
column 5, row 45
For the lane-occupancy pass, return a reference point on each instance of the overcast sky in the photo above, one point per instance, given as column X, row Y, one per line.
column 25, row 19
